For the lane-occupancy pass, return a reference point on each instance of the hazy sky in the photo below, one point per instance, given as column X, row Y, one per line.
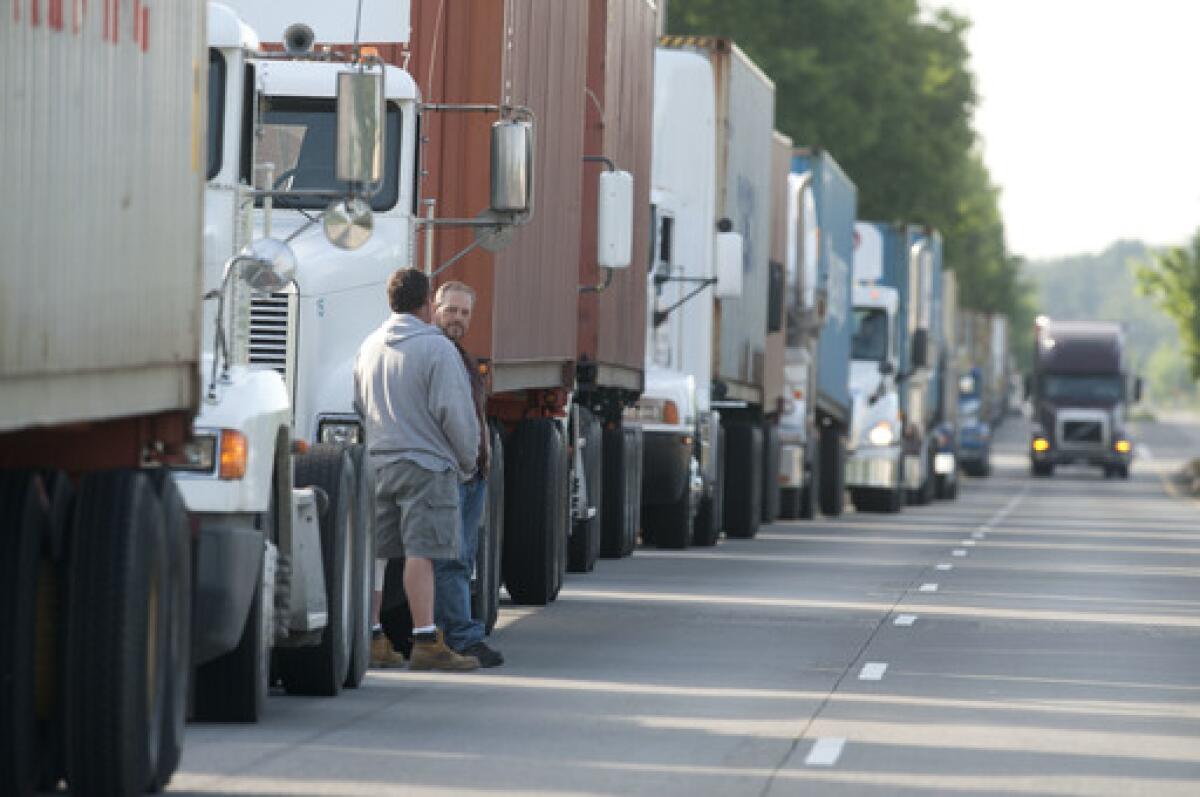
column 1090, row 118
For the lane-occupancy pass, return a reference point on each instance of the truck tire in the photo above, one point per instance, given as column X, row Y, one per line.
column 178, row 539
column 870, row 499
column 362, row 575
column 1041, row 469
column 770, row 479
column 321, row 669
column 621, row 492
column 118, row 645
column 812, row 473
column 743, row 479
column 534, row 523
column 24, row 522
column 51, row 632
column 831, row 486
column 670, row 524
column 485, row 597
column 584, row 547
column 945, row 488
column 706, row 528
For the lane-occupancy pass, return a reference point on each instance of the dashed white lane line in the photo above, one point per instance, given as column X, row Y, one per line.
column 958, row 552
column 825, row 752
column 968, row 543
column 904, row 619
column 872, row 671
column 927, row 588
column 977, row 535
column 944, row 566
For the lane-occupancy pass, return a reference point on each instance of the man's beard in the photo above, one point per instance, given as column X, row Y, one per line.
column 454, row 330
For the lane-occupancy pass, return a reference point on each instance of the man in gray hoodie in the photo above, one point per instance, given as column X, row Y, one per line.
column 415, row 399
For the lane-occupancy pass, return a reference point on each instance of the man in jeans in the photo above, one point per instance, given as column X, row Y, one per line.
column 422, row 430
column 452, row 312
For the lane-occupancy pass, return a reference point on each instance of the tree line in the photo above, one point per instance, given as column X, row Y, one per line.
column 888, row 90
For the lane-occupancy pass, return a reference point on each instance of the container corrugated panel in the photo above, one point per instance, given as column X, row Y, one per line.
column 781, row 167
column 525, row 52
column 836, row 199
column 102, row 164
column 621, row 39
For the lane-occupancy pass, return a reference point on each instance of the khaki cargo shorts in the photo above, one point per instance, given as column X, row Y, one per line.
column 416, row 512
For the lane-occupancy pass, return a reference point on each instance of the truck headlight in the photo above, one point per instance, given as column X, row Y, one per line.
column 1123, row 446
column 199, row 454
column 348, row 433
column 881, row 434
column 1041, row 444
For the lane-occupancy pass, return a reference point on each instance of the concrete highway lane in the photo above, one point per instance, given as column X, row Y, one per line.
column 1032, row 637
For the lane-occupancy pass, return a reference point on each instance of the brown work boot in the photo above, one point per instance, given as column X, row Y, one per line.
column 383, row 655
column 434, row 655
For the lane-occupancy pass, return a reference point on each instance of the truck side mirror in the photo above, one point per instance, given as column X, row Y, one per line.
column 729, row 265
column 920, row 348
column 512, row 166
column 1137, row 389
column 360, row 127
column 614, row 220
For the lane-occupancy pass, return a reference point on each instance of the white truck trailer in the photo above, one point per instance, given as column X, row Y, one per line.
column 100, row 299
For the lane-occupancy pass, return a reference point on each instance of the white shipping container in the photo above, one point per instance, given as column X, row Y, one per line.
column 102, row 164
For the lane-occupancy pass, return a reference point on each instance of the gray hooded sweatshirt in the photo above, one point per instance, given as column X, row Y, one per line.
column 414, row 396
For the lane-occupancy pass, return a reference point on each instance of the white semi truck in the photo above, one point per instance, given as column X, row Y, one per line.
column 100, row 297
column 691, row 262
column 329, row 139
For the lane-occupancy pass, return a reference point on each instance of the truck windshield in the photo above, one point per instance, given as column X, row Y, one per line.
column 1102, row 388
column 300, row 139
column 870, row 341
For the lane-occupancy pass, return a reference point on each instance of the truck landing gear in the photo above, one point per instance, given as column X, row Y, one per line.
column 584, row 547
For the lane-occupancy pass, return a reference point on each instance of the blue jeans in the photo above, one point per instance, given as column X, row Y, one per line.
column 452, row 577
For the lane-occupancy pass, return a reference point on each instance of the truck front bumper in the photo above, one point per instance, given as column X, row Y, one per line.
column 1103, row 456
column 874, row 467
column 227, row 568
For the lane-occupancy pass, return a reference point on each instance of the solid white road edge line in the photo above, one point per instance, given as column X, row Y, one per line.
column 825, row 752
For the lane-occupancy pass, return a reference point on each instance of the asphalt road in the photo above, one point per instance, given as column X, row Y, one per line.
column 1032, row 637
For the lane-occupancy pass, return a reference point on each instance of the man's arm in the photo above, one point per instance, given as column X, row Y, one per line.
column 451, row 402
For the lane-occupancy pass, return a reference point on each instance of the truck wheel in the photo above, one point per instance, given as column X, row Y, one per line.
column 534, row 524
column 321, row 669
column 117, row 635
column 789, row 503
column 771, row 498
column 178, row 540
column 25, row 515
column 812, row 473
column 1123, row 471
column 362, row 574
column 831, row 486
column 585, row 534
column 945, row 488
column 706, row 528
column 743, row 479
column 671, row 523
column 1041, row 469
column 485, row 598
column 621, row 492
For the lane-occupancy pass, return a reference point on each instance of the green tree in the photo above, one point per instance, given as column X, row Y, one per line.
column 889, row 92
column 1172, row 278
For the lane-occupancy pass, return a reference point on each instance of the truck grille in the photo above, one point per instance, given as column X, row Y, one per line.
column 1082, row 433
column 270, row 333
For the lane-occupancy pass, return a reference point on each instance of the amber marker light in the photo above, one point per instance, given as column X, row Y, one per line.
column 233, row 454
column 1124, row 446
column 1041, row 444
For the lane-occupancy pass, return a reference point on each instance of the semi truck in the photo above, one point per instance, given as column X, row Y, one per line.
column 875, row 469
column 692, row 264
column 1080, row 390
column 822, row 205
column 100, row 297
column 744, row 123
column 566, row 487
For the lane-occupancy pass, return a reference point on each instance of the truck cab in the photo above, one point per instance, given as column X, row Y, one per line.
column 1080, row 392
column 874, row 469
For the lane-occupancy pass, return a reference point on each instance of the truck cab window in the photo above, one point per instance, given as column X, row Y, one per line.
column 299, row 137
column 216, row 112
column 870, row 340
